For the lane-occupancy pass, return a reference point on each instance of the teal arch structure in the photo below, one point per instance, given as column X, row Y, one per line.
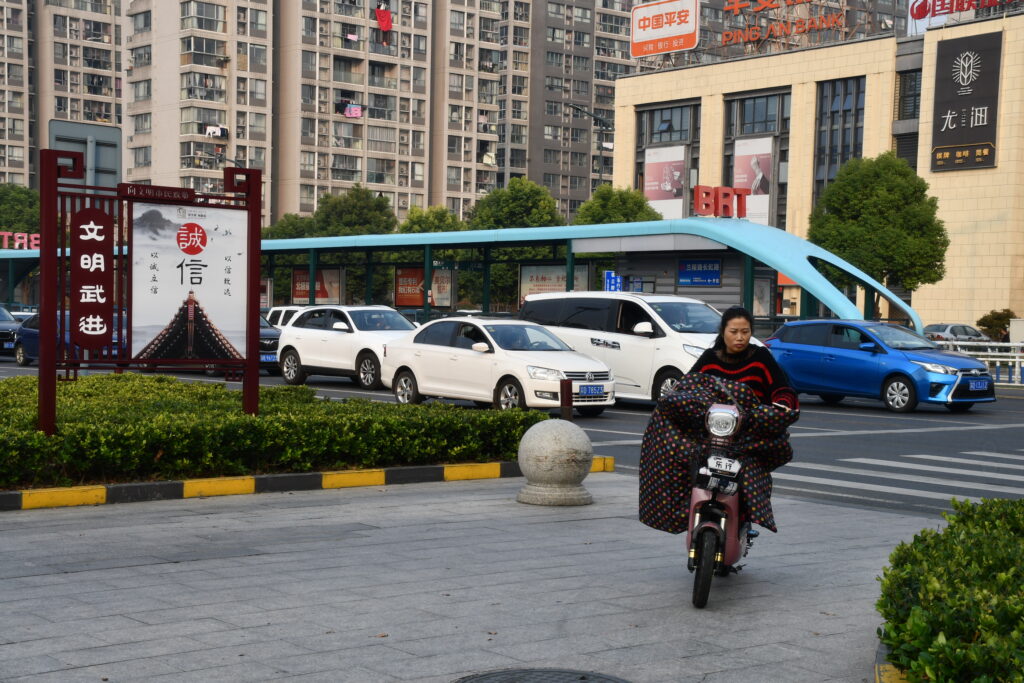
column 776, row 248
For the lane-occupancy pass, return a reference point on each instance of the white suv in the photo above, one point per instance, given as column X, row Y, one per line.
column 648, row 340
column 338, row 340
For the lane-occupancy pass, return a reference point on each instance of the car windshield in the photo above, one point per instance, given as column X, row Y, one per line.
column 525, row 338
column 380, row 319
column 5, row 317
column 684, row 316
column 898, row 337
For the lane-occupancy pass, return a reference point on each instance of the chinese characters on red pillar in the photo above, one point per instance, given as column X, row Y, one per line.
column 92, row 279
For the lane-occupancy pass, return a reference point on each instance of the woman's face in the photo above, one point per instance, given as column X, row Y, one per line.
column 736, row 335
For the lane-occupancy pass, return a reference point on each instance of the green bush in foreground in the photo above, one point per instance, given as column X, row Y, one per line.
column 130, row 427
column 953, row 600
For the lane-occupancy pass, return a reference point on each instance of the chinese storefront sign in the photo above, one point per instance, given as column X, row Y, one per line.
column 665, row 26
column 92, row 279
column 184, row 257
column 922, row 9
column 537, row 279
column 700, row 273
column 966, row 102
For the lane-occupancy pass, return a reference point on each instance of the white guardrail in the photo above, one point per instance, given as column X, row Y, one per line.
column 1004, row 360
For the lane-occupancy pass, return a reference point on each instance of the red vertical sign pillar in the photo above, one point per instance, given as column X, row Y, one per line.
column 50, row 172
column 249, row 181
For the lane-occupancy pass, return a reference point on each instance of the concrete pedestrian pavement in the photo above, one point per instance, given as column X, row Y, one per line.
column 429, row 582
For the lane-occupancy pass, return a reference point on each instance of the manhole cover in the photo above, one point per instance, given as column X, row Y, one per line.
column 540, row 676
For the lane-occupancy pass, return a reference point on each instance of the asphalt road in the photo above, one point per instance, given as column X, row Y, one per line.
column 855, row 454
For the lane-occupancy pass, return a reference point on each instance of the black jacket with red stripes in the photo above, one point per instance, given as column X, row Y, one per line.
column 755, row 367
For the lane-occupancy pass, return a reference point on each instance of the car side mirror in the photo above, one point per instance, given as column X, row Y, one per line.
column 481, row 347
column 645, row 328
column 868, row 346
column 340, row 327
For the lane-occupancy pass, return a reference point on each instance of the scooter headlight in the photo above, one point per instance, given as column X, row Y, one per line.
column 723, row 420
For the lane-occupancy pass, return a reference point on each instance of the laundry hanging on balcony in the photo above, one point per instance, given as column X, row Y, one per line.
column 383, row 19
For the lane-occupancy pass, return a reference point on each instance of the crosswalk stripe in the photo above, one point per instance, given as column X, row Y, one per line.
column 932, row 468
column 628, row 442
column 993, row 488
column 861, row 486
column 992, row 454
column 966, row 461
column 928, row 430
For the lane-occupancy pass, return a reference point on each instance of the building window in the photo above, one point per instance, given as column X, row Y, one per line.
column 142, row 56
column 142, row 90
column 142, row 22
column 758, row 114
column 142, row 156
column 840, row 128
column 143, row 123
column 908, row 104
column 204, row 16
column 205, row 51
column 672, row 124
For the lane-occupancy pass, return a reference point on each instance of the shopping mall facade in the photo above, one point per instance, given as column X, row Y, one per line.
column 950, row 102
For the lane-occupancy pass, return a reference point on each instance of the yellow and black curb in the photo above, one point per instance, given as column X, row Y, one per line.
column 885, row 671
column 104, row 494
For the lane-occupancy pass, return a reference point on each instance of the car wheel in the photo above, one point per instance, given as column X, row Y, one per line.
column 590, row 411
column 899, row 395
column 406, row 389
column 959, row 407
column 19, row 356
column 368, row 371
column 663, row 383
column 509, row 394
column 291, row 368
column 832, row 399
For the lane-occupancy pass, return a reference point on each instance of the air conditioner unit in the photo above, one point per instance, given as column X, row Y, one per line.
column 402, row 182
column 403, row 138
column 403, row 203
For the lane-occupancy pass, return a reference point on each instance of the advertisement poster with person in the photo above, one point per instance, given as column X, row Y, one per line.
column 665, row 181
column 189, row 275
column 752, row 169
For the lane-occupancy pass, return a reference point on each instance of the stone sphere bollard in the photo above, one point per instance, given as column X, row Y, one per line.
column 555, row 457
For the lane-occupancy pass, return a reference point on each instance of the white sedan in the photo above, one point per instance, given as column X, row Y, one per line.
column 504, row 363
column 338, row 340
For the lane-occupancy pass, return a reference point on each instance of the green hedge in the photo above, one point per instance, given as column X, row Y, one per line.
column 131, row 427
column 953, row 600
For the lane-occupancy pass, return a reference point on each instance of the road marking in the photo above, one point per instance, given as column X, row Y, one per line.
column 607, row 431
column 995, row 488
column 786, row 476
column 929, row 430
column 965, row 461
column 932, row 468
column 624, row 442
column 991, row 454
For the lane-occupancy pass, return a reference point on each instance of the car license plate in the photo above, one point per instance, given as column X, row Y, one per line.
column 268, row 358
column 977, row 384
column 8, row 345
column 591, row 389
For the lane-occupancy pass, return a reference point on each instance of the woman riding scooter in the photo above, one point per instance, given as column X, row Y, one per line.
column 673, row 435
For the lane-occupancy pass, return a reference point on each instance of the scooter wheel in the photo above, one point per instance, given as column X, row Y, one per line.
column 705, row 567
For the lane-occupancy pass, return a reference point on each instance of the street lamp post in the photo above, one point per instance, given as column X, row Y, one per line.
column 604, row 127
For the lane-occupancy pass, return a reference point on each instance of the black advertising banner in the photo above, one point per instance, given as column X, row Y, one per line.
column 966, row 102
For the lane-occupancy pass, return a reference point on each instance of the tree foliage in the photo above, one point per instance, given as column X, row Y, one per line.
column 433, row 219
column 877, row 215
column 290, row 226
column 356, row 212
column 523, row 204
column 19, row 209
column 611, row 205
column 996, row 324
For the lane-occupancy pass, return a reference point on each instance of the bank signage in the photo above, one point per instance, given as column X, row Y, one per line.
column 663, row 26
column 966, row 102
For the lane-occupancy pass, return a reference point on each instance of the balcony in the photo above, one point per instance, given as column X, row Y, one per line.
column 383, row 82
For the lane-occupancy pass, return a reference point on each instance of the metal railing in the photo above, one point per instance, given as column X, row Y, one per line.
column 1005, row 360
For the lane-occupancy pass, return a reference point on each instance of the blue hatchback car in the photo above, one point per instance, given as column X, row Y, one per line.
column 834, row 359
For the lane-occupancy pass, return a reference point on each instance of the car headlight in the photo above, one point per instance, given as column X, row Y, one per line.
column 935, row 367
column 694, row 351
column 544, row 373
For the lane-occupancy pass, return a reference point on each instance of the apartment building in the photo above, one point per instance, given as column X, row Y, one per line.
column 426, row 103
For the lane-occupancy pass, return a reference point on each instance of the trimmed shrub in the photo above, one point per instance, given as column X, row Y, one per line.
column 953, row 601
column 131, row 427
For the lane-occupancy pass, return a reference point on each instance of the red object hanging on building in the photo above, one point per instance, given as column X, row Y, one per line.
column 383, row 18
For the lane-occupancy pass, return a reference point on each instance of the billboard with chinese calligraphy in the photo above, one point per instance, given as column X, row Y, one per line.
column 966, row 102
column 92, row 278
column 189, row 280
column 537, row 279
column 665, row 26
column 752, row 170
column 330, row 286
column 409, row 287
column 665, row 179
